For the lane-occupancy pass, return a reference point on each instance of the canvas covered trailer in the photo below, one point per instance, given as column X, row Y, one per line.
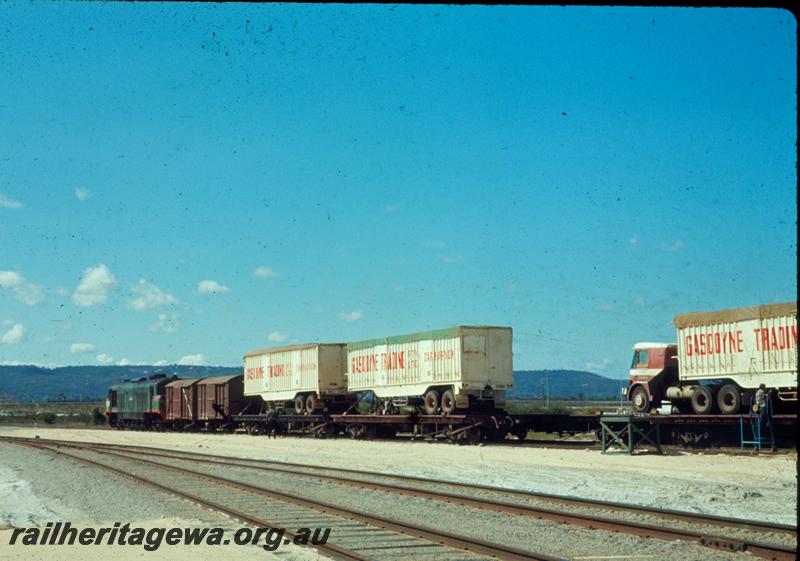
column 455, row 368
column 310, row 375
column 719, row 361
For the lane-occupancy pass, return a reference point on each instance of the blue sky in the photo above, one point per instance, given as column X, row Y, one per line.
column 187, row 182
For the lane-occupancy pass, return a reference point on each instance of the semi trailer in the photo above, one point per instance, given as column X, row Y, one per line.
column 719, row 361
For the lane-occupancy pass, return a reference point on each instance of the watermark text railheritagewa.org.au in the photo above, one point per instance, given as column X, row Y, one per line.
column 63, row 533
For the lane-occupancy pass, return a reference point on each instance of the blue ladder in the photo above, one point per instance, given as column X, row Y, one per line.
column 760, row 426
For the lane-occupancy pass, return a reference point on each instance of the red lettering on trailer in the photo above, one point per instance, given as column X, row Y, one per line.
column 364, row 363
column 254, row 373
column 714, row 343
column 277, row 370
column 393, row 360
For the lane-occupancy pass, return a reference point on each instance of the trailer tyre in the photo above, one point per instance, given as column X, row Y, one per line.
column 299, row 404
column 729, row 399
column 448, row 402
column 702, row 400
column 431, row 402
column 640, row 400
column 312, row 404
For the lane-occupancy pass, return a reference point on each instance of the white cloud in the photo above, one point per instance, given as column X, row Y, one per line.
column 597, row 366
column 150, row 296
column 351, row 316
column 634, row 241
column 75, row 348
column 193, row 360
column 8, row 321
column 167, row 323
column 94, row 286
column 160, row 363
column 14, row 335
column 103, row 358
column 677, row 245
column 451, row 258
column 265, row 273
column 277, row 337
column 211, row 287
column 81, row 194
column 5, row 202
column 124, row 362
column 26, row 292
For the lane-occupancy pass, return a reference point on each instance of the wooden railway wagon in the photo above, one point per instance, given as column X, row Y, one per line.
column 138, row 403
column 219, row 398
column 181, row 404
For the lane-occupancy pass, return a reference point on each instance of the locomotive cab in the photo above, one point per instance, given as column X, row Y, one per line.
column 112, row 408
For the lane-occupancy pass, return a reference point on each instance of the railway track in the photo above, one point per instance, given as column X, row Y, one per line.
column 664, row 524
column 356, row 535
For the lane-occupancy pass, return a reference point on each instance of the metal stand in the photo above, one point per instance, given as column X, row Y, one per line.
column 630, row 432
column 760, row 426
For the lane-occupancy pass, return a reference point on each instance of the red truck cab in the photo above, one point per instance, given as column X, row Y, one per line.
column 654, row 368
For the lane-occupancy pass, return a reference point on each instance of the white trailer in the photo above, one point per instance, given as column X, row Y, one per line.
column 312, row 376
column 722, row 357
column 458, row 368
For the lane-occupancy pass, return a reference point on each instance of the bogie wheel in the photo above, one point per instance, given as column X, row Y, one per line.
column 702, row 400
column 640, row 400
column 299, row 404
column 448, row 402
column 729, row 399
column 431, row 402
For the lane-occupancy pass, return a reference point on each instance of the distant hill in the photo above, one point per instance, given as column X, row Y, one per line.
column 564, row 383
column 28, row 383
column 74, row 383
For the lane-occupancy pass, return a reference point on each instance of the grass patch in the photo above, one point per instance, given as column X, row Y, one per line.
column 53, row 414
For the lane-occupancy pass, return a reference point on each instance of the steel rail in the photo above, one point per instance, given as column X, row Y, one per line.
column 436, row 536
column 328, row 549
column 768, row 551
column 708, row 519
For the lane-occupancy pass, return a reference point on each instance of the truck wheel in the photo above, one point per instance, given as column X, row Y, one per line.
column 299, row 404
column 448, row 402
column 729, row 399
column 640, row 400
column 312, row 404
column 431, row 402
column 702, row 400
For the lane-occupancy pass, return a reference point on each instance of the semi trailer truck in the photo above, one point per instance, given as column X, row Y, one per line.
column 719, row 361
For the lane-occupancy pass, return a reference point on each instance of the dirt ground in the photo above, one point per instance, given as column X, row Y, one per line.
column 754, row 487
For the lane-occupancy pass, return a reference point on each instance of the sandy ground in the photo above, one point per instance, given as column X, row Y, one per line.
column 754, row 487
column 35, row 495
